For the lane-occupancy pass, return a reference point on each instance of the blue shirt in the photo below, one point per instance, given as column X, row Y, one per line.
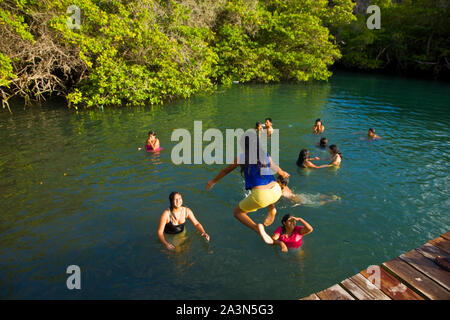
column 257, row 176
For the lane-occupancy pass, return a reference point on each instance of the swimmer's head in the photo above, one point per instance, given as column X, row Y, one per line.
column 268, row 121
column 175, row 200
column 151, row 133
column 282, row 181
column 253, row 151
column 288, row 222
column 371, row 132
column 318, row 122
column 334, row 150
column 258, row 126
column 302, row 157
column 323, row 142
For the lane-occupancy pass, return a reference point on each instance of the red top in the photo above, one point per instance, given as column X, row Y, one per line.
column 294, row 241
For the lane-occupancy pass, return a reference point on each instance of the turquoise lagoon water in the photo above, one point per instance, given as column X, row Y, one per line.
column 75, row 190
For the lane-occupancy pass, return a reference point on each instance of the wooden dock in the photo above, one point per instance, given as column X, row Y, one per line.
column 412, row 276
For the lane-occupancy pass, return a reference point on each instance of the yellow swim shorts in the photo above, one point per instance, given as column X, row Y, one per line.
column 260, row 198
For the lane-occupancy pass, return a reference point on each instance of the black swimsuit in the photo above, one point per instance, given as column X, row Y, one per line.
column 171, row 228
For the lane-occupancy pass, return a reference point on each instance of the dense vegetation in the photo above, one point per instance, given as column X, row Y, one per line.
column 414, row 39
column 134, row 52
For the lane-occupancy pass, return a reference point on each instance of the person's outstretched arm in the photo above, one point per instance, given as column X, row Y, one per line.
column 222, row 174
column 309, row 164
column 197, row 224
column 307, row 227
column 282, row 173
column 283, row 246
column 162, row 224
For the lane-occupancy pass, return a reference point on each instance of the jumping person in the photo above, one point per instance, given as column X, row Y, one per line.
column 318, row 127
column 265, row 191
column 289, row 235
column 172, row 220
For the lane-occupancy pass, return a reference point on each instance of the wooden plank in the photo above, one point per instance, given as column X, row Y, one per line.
column 393, row 287
column 446, row 235
column 417, row 280
column 334, row 293
column 369, row 288
column 442, row 244
column 311, row 297
column 427, row 266
column 356, row 291
column 431, row 252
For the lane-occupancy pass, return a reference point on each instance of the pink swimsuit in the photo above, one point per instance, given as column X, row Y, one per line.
column 294, row 241
column 150, row 149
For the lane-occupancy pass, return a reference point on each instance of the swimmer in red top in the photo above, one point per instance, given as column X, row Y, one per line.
column 152, row 143
column 289, row 235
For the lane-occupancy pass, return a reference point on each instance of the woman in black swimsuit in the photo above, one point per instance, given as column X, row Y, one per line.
column 173, row 219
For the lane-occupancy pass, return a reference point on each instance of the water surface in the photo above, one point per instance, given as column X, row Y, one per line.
column 75, row 190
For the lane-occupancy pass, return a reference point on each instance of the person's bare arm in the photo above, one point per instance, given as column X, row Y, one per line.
column 222, row 174
column 197, row 225
column 153, row 144
column 307, row 229
column 283, row 246
column 162, row 223
column 280, row 171
column 309, row 164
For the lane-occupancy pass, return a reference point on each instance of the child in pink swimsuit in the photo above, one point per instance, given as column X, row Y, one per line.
column 152, row 143
column 288, row 235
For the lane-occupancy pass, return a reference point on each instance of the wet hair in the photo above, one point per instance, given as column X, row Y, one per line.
column 283, row 221
column 371, row 130
column 323, row 142
column 270, row 119
column 302, row 157
column 335, row 149
column 283, row 181
column 257, row 125
column 152, row 133
column 247, row 164
column 317, row 120
column 172, row 198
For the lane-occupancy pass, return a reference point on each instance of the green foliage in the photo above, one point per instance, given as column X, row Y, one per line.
column 6, row 70
column 414, row 36
column 277, row 40
column 133, row 52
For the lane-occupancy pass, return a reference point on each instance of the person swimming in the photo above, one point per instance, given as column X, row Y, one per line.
column 303, row 199
column 259, row 179
column 289, row 235
column 269, row 127
column 173, row 219
column 304, row 160
column 258, row 127
column 336, row 157
column 152, row 143
column 318, row 127
column 322, row 143
column 371, row 134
